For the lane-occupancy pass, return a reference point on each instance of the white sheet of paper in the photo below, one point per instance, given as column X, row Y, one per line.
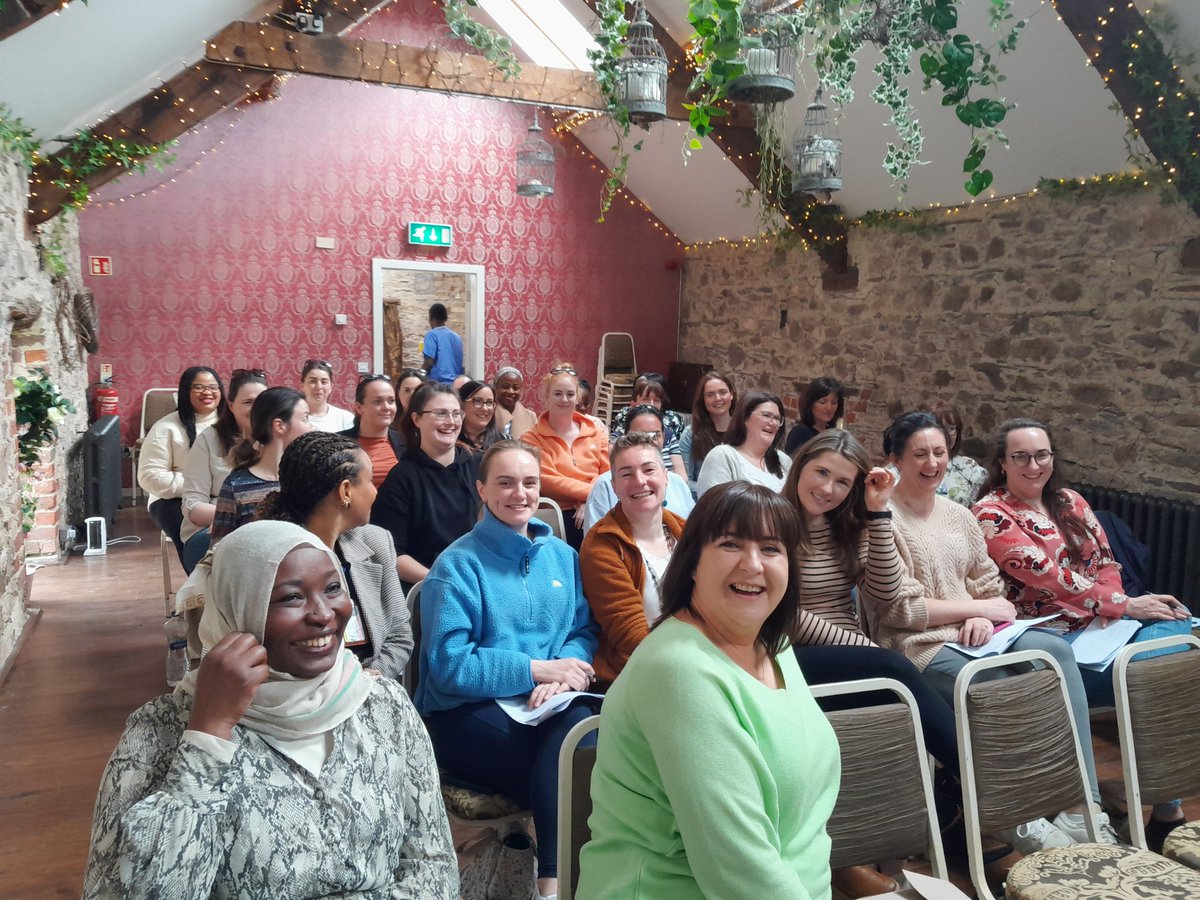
column 1096, row 647
column 928, row 887
column 518, row 709
column 1002, row 639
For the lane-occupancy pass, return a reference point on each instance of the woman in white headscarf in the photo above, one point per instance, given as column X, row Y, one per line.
column 278, row 769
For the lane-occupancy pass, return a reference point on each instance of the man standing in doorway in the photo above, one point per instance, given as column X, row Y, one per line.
column 443, row 348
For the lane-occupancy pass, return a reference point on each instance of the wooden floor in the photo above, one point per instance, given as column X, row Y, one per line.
column 97, row 653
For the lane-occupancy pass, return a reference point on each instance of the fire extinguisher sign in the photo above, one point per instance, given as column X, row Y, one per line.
column 100, row 265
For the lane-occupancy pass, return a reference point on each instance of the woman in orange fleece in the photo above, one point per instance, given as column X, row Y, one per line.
column 574, row 451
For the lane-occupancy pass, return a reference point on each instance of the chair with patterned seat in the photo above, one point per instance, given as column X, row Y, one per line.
column 1158, row 721
column 1021, row 760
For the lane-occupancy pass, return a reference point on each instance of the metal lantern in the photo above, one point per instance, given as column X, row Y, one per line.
column 642, row 72
column 816, row 153
column 770, row 62
column 535, row 164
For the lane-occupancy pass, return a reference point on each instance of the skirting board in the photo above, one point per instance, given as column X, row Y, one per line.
column 31, row 620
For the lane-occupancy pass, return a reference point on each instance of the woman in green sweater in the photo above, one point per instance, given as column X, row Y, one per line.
column 716, row 771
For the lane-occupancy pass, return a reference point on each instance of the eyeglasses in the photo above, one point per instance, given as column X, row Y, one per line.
column 206, row 389
column 480, row 403
column 317, row 364
column 367, row 379
column 768, row 416
column 563, row 370
column 442, row 416
column 1022, row 459
column 252, row 373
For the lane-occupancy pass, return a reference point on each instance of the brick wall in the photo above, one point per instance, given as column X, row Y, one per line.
column 1082, row 311
column 37, row 329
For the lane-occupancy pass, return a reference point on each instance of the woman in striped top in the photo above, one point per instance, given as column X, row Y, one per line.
column 846, row 542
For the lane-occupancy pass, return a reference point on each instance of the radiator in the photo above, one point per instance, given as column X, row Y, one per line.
column 1170, row 528
column 102, row 469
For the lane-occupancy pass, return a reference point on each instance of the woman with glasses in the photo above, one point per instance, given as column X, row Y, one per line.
column 512, row 417
column 374, row 413
column 316, row 379
column 712, row 413
column 479, row 429
column 1055, row 558
column 428, row 500
column 964, row 477
column 208, row 463
column 753, row 449
column 166, row 446
column 279, row 416
column 574, row 451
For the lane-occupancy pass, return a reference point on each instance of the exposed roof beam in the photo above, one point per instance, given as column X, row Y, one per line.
column 18, row 14
column 1102, row 29
column 175, row 107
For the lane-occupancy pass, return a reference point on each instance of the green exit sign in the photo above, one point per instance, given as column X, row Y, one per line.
column 429, row 234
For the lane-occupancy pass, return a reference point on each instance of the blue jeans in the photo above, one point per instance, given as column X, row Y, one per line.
column 479, row 743
column 1099, row 685
column 194, row 549
column 944, row 669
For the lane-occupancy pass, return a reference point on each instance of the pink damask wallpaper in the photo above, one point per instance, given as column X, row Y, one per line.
column 214, row 260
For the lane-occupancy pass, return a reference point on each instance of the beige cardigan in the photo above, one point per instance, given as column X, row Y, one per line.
column 943, row 556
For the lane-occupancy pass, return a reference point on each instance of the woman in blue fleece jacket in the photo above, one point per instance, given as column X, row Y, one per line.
column 503, row 615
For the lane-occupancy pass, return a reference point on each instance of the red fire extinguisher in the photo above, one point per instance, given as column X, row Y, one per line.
column 105, row 400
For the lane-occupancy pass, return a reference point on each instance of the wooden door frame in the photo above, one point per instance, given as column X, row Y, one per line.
column 474, row 361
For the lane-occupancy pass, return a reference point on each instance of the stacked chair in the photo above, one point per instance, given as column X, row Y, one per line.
column 616, row 371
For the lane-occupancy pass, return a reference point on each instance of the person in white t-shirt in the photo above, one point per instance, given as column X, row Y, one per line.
column 316, row 381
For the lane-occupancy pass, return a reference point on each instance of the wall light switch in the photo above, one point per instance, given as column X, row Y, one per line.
column 339, row 319
column 364, row 368
column 326, row 243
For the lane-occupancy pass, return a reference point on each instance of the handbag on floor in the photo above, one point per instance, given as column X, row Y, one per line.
column 500, row 865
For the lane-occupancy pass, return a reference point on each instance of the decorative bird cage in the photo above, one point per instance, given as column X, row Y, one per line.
column 770, row 58
column 535, row 164
column 642, row 72
column 816, row 153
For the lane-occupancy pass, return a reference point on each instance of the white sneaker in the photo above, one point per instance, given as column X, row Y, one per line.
column 1034, row 836
column 1071, row 824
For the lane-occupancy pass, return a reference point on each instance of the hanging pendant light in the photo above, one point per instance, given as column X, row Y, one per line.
column 642, row 72
column 817, row 153
column 535, row 164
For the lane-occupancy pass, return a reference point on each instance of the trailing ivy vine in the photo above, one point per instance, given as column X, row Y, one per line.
column 609, row 38
column 87, row 153
column 496, row 48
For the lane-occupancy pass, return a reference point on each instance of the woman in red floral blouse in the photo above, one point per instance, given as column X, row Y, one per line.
column 1055, row 557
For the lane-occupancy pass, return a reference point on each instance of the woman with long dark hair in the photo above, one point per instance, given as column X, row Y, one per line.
column 821, row 408
column 752, row 450
column 165, row 449
column 325, row 486
column 1055, row 558
column 428, row 499
column 279, row 416
column 208, row 463
column 479, row 429
column 374, row 412
column 712, row 414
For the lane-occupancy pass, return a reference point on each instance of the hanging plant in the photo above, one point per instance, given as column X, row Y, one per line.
column 16, row 138
column 610, row 44
column 494, row 47
column 40, row 409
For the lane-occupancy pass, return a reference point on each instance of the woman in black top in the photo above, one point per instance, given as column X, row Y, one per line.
column 429, row 500
column 822, row 407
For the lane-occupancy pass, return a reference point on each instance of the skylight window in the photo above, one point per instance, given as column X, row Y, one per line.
column 553, row 38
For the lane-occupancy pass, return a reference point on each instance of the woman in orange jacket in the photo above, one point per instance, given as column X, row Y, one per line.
column 574, row 451
column 625, row 554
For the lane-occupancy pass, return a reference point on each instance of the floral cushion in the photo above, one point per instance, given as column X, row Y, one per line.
column 1183, row 845
column 1100, row 872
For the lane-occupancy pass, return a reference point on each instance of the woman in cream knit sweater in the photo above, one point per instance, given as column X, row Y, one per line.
column 953, row 592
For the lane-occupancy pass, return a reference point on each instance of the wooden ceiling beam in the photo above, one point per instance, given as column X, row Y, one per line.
column 1102, row 29
column 18, row 14
column 176, row 106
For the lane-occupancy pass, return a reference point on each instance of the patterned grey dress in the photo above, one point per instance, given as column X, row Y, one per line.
column 172, row 820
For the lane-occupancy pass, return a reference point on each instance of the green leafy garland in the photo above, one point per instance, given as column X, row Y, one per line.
column 87, row 153
column 40, row 408
column 17, row 138
column 494, row 47
column 609, row 45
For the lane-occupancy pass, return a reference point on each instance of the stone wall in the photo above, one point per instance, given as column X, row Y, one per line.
column 1082, row 311
column 37, row 329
